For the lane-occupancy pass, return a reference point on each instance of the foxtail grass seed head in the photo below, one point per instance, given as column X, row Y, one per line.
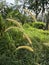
column 25, row 47
column 33, row 17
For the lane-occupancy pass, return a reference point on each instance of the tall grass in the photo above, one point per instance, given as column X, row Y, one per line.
column 21, row 29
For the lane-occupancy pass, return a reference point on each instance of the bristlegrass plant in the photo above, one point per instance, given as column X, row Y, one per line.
column 21, row 28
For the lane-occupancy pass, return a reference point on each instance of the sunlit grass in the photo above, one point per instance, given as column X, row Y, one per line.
column 41, row 35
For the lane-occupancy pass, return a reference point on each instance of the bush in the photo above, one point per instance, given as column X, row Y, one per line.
column 26, row 25
column 39, row 25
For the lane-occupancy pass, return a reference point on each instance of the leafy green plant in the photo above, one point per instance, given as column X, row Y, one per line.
column 39, row 25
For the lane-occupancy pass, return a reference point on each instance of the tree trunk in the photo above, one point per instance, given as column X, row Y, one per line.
column 47, row 25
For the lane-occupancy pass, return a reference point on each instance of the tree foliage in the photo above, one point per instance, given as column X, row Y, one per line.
column 36, row 5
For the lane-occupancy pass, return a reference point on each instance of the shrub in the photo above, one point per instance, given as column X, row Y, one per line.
column 26, row 25
column 39, row 25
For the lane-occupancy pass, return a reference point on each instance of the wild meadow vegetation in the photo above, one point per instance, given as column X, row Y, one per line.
column 23, row 39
